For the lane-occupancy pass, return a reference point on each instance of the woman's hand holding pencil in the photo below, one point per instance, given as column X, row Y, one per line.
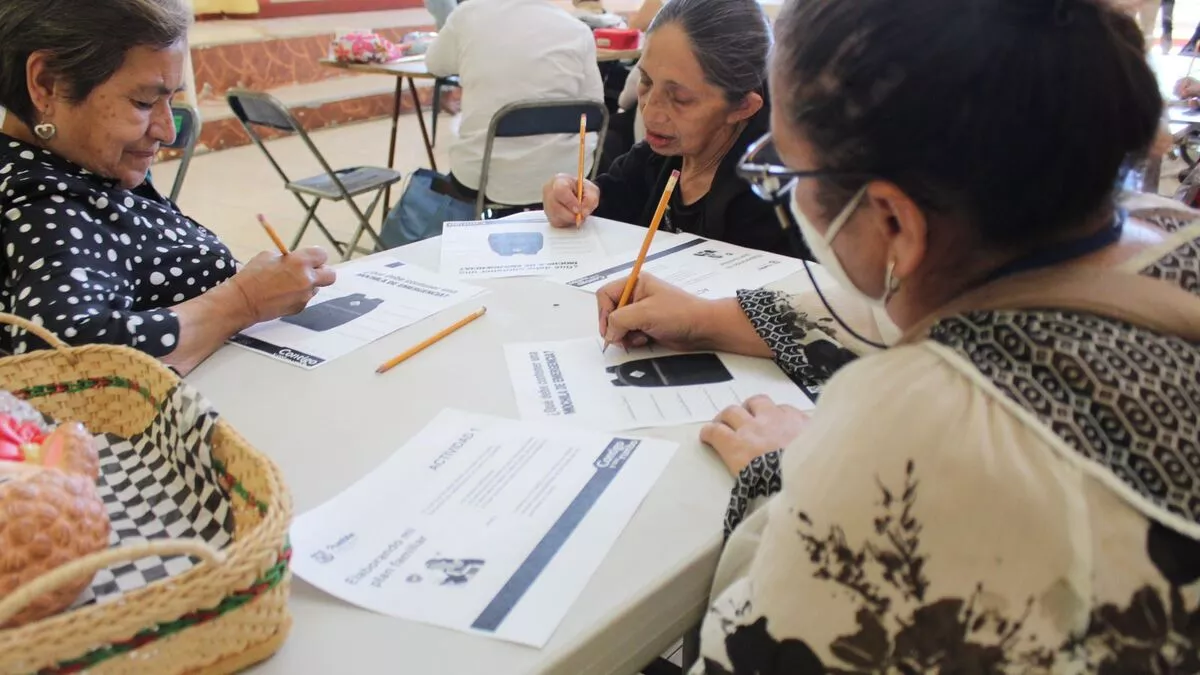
column 657, row 312
column 561, row 201
column 273, row 284
column 631, row 282
column 641, row 309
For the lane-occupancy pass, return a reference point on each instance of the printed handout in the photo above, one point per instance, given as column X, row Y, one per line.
column 522, row 245
column 703, row 267
column 370, row 299
column 480, row 524
column 649, row 387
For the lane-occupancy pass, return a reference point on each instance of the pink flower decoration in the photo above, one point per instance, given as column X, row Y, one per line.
column 366, row 48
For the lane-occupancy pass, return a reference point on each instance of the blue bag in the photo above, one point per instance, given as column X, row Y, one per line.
column 426, row 204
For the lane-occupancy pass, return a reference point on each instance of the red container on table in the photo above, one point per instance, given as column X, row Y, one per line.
column 617, row 38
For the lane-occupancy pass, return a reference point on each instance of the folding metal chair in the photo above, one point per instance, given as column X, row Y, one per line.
column 540, row 118
column 256, row 110
column 187, row 131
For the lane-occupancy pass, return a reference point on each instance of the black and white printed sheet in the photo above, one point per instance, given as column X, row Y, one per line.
column 480, row 524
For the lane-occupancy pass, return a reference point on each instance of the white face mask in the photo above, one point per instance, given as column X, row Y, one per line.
column 822, row 250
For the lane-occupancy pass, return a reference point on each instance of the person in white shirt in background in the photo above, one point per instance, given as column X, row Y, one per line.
column 506, row 51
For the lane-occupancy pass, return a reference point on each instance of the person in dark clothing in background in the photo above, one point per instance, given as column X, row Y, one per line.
column 1168, row 25
column 1190, row 47
column 702, row 95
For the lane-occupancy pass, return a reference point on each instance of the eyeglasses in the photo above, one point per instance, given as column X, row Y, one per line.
column 772, row 181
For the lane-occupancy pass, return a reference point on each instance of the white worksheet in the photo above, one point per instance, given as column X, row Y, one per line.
column 521, row 245
column 480, row 524
column 703, row 267
column 370, row 299
column 648, row 387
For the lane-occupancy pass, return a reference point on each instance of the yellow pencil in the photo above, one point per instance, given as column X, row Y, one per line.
column 262, row 220
column 631, row 282
column 579, row 185
column 431, row 340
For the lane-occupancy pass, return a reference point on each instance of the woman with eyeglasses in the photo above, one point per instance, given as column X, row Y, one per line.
column 701, row 93
column 1009, row 482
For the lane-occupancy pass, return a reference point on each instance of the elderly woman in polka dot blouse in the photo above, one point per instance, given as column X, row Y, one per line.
column 90, row 249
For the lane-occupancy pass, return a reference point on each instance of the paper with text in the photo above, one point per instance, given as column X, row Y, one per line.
column 648, row 387
column 521, row 245
column 480, row 524
column 703, row 267
column 371, row 298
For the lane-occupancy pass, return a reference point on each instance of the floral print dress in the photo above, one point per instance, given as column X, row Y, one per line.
column 1017, row 493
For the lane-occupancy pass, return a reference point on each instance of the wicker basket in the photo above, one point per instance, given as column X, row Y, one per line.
column 222, row 615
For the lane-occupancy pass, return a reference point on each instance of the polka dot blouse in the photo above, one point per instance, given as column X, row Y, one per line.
column 93, row 262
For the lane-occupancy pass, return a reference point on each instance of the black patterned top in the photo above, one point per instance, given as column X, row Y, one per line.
column 1020, row 493
column 93, row 262
column 806, row 347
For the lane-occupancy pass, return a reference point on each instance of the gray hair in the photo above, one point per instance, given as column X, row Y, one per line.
column 731, row 40
column 86, row 41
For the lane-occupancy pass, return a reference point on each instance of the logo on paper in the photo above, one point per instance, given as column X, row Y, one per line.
column 325, row 555
column 453, row 571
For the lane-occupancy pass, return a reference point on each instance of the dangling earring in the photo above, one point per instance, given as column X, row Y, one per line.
column 45, row 131
column 890, row 283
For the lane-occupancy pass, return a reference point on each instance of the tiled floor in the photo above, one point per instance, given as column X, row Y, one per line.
column 224, row 190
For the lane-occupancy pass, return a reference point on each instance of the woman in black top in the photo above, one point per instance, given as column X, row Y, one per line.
column 88, row 247
column 702, row 98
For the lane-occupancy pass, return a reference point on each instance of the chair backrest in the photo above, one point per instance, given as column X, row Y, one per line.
column 262, row 110
column 256, row 109
column 187, row 132
column 541, row 118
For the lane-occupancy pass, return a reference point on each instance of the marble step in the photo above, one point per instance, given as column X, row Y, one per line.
column 319, row 105
column 264, row 54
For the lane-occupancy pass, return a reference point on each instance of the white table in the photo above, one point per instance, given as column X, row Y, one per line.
column 329, row 427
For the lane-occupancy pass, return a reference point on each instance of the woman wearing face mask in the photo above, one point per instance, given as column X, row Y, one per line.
column 701, row 95
column 1014, row 485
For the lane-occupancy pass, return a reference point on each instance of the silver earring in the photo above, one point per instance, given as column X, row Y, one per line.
column 45, row 131
column 890, row 283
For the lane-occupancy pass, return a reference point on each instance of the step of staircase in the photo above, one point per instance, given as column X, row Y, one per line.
column 269, row 53
column 282, row 57
column 316, row 105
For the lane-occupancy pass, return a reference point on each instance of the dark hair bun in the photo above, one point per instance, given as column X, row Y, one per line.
column 1016, row 116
